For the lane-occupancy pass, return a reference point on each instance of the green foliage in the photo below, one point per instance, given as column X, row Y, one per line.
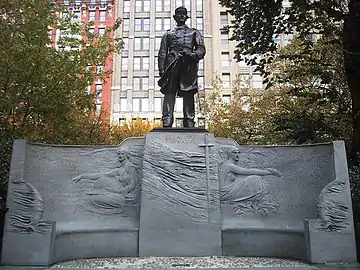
column 256, row 23
column 245, row 119
column 42, row 89
column 315, row 104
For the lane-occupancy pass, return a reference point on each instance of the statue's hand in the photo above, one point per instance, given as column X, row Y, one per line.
column 274, row 172
column 161, row 73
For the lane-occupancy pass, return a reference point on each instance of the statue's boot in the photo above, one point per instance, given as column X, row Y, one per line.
column 189, row 111
column 167, row 121
column 168, row 110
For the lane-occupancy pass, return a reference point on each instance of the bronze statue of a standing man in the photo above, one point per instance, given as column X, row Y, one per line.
column 180, row 51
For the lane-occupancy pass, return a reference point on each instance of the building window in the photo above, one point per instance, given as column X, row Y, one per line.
column 142, row 5
column 201, row 82
column 123, row 104
column 157, row 43
column 225, row 59
column 156, row 64
column 156, row 86
column 102, row 15
column 99, row 69
column 92, row 15
column 126, row 6
column 141, row 43
column 141, row 63
column 162, row 5
column 199, row 5
column 101, row 31
column 98, row 90
column 123, row 83
column 158, row 104
column 185, row 3
column 126, row 25
column 179, row 104
column 201, row 64
column 125, row 44
column 224, row 19
column 199, row 24
column 144, row 105
column 142, row 24
column 141, row 83
column 225, row 79
column 77, row 15
column 224, row 37
column 136, row 105
column 124, row 63
column 257, row 81
column 122, row 121
column 162, row 24
column 226, row 99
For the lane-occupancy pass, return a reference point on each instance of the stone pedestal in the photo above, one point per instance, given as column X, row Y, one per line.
column 180, row 205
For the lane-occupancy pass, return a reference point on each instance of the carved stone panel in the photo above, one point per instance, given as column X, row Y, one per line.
column 180, row 196
column 271, row 187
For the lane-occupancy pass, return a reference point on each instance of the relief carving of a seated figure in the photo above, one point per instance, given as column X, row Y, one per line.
column 244, row 188
column 112, row 190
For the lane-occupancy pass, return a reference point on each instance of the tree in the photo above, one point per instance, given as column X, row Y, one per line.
column 257, row 22
column 246, row 118
column 315, row 104
column 42, row 88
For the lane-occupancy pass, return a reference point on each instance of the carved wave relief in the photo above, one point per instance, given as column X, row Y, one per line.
column 244, row 188
column 26, row 213
column 116, row 189
column 333, row 210
column 176, row 180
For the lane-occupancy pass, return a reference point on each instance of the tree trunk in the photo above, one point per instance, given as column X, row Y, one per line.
column 351, row 43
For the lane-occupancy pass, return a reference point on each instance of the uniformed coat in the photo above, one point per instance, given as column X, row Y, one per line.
column 179, row 73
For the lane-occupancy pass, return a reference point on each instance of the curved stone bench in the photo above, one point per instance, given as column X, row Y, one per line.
column 264, row 242
column 81, row 240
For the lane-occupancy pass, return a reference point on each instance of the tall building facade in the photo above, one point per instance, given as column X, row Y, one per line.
column 102, row 14
column 134, row 91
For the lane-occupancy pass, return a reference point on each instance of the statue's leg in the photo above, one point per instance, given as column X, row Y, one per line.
column 189, row 109
column 168, row 109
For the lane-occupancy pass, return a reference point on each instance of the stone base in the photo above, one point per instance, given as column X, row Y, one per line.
column 329, row 247
column 35, row 249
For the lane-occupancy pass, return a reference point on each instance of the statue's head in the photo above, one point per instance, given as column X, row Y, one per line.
column 123, row 153
column 234, row 153
column 228, row 152
column 180, row 15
